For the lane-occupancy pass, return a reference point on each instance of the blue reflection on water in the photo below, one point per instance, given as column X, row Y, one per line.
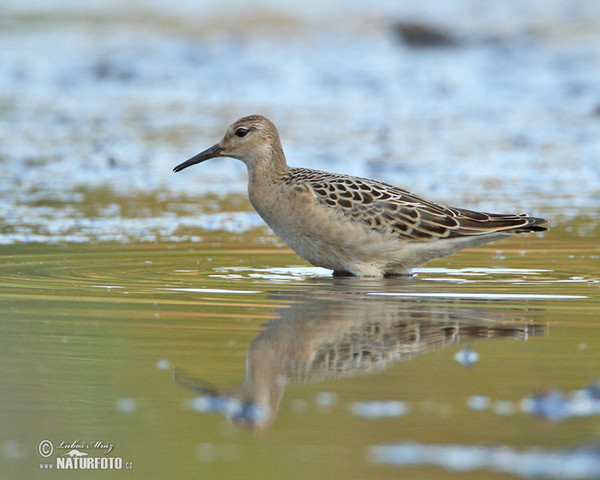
column 551, row 404
column 576, row 463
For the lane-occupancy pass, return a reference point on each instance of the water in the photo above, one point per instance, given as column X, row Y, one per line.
column 152, row 318
column 219, row 361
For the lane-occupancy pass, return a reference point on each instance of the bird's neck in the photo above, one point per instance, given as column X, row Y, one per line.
column 269, row 169
column 263, row 178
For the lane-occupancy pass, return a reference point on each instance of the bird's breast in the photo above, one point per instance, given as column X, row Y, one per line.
column 317, row 233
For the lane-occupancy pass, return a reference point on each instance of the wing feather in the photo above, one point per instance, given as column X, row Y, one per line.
column 384, row 208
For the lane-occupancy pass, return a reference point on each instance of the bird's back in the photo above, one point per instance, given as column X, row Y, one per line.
column 384, row 208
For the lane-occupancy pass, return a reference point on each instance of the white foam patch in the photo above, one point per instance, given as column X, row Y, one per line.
column 481, row 296
column 210, row 290
column 482, row 271
column 276, row 274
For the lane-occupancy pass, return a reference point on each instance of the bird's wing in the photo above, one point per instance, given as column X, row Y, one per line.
column 385, row 208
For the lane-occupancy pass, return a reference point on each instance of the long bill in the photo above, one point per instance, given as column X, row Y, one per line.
column 207, row 154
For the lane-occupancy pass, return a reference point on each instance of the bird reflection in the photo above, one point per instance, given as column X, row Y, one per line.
column 321, row 335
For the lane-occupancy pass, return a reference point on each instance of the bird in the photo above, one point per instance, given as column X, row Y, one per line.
column 352, row 225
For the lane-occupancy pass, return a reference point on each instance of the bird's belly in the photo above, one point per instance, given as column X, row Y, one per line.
column 325, row 240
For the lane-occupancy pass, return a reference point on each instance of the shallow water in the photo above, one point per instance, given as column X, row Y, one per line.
column 218, row 361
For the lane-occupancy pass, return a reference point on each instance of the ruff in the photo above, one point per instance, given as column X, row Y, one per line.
column 351, row 224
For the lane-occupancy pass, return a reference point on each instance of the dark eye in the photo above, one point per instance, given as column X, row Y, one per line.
column 241, row 132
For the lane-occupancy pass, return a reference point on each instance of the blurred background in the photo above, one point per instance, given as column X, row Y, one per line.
column 492, row 105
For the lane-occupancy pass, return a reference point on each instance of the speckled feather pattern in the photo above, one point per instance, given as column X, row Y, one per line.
column 387, row 209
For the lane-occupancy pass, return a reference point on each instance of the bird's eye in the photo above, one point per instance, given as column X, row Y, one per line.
column 241, row 132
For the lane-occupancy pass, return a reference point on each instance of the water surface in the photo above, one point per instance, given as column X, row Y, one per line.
column 219, row 361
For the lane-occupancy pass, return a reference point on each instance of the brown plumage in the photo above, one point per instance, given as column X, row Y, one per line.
column 385, row 208
column 352, row 224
